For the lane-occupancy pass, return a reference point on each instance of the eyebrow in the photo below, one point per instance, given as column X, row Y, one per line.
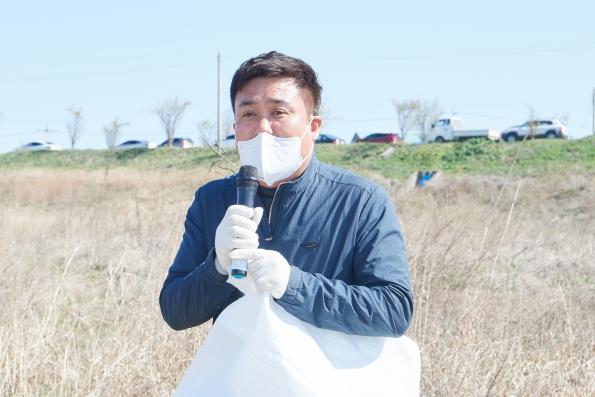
column 250, row 102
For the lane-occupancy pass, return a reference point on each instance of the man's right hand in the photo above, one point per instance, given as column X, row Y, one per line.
column 236, row 230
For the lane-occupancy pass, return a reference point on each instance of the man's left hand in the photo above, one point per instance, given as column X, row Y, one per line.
column 269, row 269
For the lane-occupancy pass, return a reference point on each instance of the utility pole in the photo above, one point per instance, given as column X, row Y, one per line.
column 219, row 137
column 47, row 130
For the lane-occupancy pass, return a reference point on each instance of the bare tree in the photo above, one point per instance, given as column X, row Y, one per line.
column 326, row 113
column 112, row 132
column 425, row 115
column 227, row 123
column 75, row 124
column 206, row 131
column 170, row 112
column 564, row 118
column 533, row 124
column 406, row 112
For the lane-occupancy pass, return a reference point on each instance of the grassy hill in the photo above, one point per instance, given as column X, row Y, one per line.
column 534, row 158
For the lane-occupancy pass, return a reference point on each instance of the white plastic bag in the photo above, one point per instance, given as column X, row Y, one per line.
column 256, row 348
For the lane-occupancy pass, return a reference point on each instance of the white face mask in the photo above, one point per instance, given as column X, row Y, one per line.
column 275, row 158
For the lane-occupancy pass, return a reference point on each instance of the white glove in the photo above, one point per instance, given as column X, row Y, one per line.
column 269, row 269
column 236, row 230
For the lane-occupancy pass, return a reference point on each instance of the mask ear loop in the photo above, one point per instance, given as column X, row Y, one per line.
column 302, row 137
column 236, row 141
column 309, row 126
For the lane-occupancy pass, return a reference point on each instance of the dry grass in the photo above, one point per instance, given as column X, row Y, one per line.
column 514, row 317
column 83, row 259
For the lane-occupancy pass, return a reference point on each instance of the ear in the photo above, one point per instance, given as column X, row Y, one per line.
column 315, row 125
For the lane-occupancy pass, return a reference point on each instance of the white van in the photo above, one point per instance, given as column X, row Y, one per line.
column 451, row 129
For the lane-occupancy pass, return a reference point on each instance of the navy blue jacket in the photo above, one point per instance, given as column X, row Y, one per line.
column 338, row 231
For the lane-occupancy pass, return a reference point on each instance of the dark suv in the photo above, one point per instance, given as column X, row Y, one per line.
column 326, row 138
column 179, row 142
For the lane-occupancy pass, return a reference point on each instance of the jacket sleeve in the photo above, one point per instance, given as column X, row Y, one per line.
column 379, row 302
column 193, row 289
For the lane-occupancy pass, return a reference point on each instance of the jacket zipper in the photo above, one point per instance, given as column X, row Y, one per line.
column 271, row 213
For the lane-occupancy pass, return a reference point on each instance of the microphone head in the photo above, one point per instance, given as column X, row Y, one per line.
column 248, row 176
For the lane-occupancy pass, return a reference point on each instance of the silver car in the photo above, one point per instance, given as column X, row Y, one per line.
column 136, row 144
column 550, row 129
column 38, row 145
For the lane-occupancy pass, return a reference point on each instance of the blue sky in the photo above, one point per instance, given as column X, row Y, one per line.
column 488, row 62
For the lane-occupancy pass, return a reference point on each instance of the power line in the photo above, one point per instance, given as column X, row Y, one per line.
column 29, row 133
column 454, row 53
column 68, row 75
column 431, row 54
column 508, row 118
column 363, row 121
column 487, row 116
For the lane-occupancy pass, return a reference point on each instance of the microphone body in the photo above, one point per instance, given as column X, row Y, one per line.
column 247, row 186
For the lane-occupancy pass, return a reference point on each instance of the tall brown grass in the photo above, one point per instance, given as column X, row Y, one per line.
column 504, row 295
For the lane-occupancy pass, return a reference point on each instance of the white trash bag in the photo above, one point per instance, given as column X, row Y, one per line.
column 256, row 348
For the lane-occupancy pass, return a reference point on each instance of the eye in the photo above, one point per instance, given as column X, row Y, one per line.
column 249, row 114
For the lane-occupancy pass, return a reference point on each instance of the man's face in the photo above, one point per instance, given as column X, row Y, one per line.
column 274, row 106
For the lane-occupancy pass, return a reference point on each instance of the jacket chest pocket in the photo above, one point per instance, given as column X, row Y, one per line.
column 309, row 256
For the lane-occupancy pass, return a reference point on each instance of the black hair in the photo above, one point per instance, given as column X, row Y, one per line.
column 275, row 64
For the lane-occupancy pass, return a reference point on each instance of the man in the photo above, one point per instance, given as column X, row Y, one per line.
column 329, row 248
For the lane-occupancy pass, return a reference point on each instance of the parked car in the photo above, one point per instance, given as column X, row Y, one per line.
column 550, row 129
column 179, row 142
column 228, row 141
column 326, row 138
column 136, row 144
column 381, row 138
column 38, row 145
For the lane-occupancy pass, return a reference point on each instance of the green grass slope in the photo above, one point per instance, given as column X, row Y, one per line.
column 534, row 158
column 476, row 156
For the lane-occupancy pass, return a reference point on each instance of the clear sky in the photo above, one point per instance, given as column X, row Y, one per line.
column 487, row 61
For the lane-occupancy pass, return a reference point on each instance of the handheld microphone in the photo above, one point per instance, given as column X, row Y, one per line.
column 247, row 185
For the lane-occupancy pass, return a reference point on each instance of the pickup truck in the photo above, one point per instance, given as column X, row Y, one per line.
column 451, row 129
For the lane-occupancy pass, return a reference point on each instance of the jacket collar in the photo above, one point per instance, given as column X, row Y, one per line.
column 305, row 180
